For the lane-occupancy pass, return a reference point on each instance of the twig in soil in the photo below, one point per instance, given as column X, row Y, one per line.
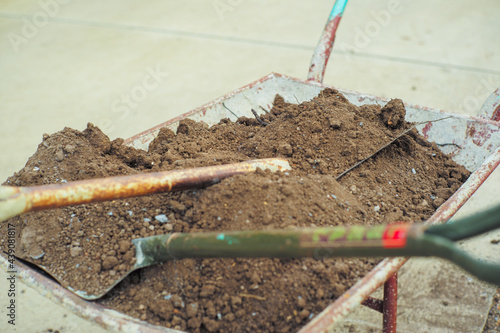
column 249, row 101
column 259, row 298
column 262, row 122
column 387, row 145
column 375, row 153
column 449, row 144
column 264, row 110
column 234, row 114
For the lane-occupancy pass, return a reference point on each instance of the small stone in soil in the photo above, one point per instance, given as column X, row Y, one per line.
column 75, row 251
column 162, row 218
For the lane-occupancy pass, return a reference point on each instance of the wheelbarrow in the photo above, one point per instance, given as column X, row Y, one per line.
column 474, row 142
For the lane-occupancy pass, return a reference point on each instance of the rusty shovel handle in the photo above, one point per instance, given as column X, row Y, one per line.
column 17, row 200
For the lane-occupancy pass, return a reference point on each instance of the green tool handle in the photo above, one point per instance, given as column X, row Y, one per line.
column 319, row 243
column 435, row 246
column 393, row 240
column 469, row 226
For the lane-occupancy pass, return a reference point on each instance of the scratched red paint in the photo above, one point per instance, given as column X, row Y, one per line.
column 496, row 114
column 332, row 27
column 479, row 133
column 320, row 59
column 426, row 129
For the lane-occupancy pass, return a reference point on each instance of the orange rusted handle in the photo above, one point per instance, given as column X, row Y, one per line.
column 17, row 200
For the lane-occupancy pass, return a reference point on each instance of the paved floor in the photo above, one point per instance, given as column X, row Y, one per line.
column 66, row 63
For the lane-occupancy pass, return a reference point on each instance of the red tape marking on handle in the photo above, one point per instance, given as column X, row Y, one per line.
column 395, row 235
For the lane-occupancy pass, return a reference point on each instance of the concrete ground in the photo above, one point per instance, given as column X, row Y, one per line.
column 66, row 63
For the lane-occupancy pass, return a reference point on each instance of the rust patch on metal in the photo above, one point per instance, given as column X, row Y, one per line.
column 390, row 312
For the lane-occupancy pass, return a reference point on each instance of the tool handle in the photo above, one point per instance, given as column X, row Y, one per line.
column 434, row 246
column 393, row 240
column 355, row 241
column 17, row 200
column 322, row 51
column 468, row 227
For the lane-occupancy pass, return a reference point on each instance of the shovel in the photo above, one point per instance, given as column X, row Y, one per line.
column 402, row 239
column 16, row 200
column 393, row 240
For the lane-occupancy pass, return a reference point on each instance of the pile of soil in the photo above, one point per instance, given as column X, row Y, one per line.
column 87, row 245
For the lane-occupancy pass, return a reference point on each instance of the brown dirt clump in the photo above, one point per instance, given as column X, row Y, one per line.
column 86, row 245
